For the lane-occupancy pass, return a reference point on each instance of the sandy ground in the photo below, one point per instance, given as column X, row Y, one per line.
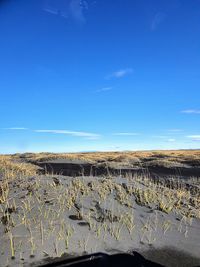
column 50, row 216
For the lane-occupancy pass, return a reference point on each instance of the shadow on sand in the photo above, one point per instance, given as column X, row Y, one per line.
column 171, row 257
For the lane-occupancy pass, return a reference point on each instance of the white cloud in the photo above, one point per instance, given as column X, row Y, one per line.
column 191, row 111
column 165, row 138
column 171, row 140
column 175, row 130
column 126, row 134
column 114, row 147
column 157, row 20
column 16, row 128
column 56, row 9
column 160, row 136
column 104, row 89
column 51, row 10
column 76, row 9
column 194, row 137
column 73, row 9
column 120, row 73
column 91, row 136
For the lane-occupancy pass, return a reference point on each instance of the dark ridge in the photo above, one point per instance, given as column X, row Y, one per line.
column 85, row 169
column 70, row 168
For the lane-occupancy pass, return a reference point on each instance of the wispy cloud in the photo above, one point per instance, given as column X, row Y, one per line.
column 104, row 89
column 191, row 111
column 91, row 136
column 57, row 10
column 76, row 9
column 120, row 73
column 73, row 9
column 51, row 10
column 194, row 137
column 164, row 138
column 170, row 140
column 175, row 130
column 16, row 128
column 160, row 136
column 126, row 134
column 157, row 20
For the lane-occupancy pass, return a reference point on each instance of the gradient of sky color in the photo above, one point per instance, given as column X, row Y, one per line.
column 99, row 75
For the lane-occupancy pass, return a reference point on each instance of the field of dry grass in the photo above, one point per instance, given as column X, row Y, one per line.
column 158, row 157
column 48, row 215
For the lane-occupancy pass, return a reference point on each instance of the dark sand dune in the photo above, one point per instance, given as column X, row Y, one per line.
column 77, row 168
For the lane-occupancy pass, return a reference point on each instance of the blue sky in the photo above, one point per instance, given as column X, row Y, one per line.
column 99, row 75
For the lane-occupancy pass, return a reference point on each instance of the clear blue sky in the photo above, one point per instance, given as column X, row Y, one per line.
column 99, row 75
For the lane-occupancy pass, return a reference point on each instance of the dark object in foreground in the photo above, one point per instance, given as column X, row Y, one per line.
column 134, row 259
